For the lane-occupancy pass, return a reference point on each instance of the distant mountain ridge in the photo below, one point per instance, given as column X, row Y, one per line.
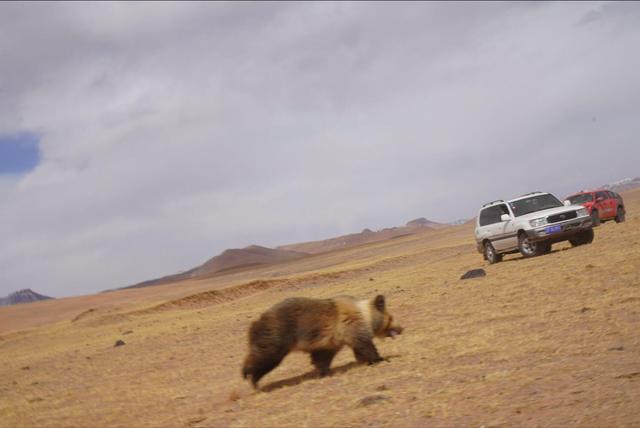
column 236, row 258
column 367, row 236
column 22, row 296
column 624, row 184
column 423, row 222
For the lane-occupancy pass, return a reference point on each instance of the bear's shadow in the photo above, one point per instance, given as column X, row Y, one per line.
column 313, row 374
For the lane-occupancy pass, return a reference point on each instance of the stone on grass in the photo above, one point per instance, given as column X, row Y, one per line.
column 474, row 273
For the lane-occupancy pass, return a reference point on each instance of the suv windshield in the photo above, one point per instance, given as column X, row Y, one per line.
column 580, row 199
column 533, row 204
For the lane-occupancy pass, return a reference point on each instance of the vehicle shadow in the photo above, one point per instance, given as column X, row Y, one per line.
column 519, row 258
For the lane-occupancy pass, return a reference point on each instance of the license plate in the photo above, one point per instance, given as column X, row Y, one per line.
column 553, row 229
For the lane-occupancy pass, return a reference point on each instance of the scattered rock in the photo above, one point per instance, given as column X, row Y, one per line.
column 371, row 279
column 585, row 309
column 372, row 399
column 616, row 348
column 382, row 387
column 473, row 273
column 127, row 332
column 26, row 368
column 196, row 419
column 119, row 342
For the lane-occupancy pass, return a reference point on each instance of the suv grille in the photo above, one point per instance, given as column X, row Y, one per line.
column 562, row 217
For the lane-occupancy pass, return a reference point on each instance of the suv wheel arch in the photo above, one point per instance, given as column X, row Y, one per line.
column 490, row 253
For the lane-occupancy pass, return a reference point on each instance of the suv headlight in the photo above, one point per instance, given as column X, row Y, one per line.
column 537, row 222
column 582, row 212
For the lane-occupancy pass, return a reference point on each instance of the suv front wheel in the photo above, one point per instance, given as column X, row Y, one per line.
column 529, row 247
column 490, row 253
column 584, row 237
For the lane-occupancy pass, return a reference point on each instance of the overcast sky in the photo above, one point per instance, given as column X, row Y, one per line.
column 169, row 132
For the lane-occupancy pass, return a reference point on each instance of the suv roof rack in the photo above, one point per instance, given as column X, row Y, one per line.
column 493, row 202
column 532, row 193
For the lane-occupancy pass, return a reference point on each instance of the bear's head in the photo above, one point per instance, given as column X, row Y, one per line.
column 382, row 322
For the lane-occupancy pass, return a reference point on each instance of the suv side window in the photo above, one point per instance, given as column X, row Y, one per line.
column 601, row 195
column 492, row 214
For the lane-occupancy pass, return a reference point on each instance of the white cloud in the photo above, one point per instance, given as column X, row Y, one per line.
column 172, row 131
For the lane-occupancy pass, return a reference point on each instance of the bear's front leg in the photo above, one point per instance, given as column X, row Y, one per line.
column 366, row 352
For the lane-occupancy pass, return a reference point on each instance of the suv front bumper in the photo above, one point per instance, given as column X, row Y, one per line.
column 567, row 229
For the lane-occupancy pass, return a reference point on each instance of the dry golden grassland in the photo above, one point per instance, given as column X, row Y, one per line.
column 548, row 341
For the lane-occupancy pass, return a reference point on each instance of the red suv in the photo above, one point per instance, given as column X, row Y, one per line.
column 602, row 204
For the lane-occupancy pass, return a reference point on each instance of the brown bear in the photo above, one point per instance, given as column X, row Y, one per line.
column 320, row 327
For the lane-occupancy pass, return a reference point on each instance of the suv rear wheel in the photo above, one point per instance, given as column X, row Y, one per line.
column 490, row 253
column 528, row 247
column 620, row 215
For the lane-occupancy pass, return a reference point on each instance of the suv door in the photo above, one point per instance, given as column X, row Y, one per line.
column 600, row 204
column 506, row 237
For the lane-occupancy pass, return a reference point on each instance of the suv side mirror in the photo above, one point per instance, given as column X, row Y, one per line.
column 505, row 217
column 567, row 203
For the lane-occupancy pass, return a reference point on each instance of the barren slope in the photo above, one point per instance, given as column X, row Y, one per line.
column 548, row 341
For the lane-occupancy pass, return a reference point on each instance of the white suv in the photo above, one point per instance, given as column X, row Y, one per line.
column 530, row 224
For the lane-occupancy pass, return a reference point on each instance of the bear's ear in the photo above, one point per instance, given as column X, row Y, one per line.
column 378, row 302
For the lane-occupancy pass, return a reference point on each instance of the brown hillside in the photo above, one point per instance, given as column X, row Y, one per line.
column 249, row 256
column 228, row 260
column 546, row 341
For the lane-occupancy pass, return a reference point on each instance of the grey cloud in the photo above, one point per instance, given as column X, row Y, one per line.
column 172, row 131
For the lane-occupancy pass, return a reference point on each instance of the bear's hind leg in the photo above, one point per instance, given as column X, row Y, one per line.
column 321, row 359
